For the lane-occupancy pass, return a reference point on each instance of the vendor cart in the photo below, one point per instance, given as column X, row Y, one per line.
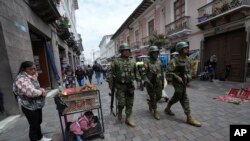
column 77, row 102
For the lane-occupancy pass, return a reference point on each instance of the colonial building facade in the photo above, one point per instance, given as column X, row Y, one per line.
column 107, row 49
column 213, row 27
column 39, row 31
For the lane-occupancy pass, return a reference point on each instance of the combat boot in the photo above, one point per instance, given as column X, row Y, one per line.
column 156, row 115
column 192, row 121
column 168, row 111
column 129, row 121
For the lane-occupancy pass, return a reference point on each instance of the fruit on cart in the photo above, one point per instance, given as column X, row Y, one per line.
column 88, row 87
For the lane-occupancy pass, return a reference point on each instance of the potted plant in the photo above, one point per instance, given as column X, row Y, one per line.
column 159, row 40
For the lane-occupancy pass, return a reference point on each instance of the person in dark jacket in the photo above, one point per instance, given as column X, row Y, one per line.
column 89, row 72
column 210, row 67
column 97, row 68
column 80, row 74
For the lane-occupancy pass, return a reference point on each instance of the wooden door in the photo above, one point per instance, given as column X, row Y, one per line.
column 230, row 48
column 43, row 70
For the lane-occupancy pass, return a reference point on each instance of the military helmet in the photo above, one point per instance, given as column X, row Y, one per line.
column 124, row 46
column 153, row 49
column 180, row 46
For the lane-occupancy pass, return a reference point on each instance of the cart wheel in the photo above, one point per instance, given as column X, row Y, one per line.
column 101, row 136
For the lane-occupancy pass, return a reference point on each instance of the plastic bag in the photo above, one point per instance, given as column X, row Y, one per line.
column 164, row 94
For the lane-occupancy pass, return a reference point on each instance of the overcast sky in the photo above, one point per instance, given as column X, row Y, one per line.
column 96, row 18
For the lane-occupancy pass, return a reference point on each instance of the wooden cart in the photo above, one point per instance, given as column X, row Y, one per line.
column 78, row 102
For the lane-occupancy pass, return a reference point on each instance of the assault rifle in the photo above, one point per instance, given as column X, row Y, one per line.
column 180, row 70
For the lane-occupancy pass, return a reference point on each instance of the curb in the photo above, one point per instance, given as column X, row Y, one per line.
column 10, row 119
column 6, row 122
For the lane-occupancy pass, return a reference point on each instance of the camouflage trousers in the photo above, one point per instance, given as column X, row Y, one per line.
column 180, row 95
column 154, row 95
column 124, row 98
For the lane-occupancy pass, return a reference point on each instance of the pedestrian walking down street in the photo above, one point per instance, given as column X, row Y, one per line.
column 122, row 75
column 69, row 78
column 153, row 77
column 80, row 74
column 97, row 68
column 179, row 68
column 89, row 72
column 32, row 99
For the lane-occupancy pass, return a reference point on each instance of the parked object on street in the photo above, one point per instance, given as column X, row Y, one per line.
column 79, row 101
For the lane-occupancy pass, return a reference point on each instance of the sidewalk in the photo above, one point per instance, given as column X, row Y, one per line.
column 215, row 116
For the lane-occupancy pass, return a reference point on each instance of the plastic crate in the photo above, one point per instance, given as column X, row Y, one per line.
column 234, row 92
column 80, row 100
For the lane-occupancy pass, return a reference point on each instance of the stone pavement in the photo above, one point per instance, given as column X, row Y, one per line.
column 215, row 116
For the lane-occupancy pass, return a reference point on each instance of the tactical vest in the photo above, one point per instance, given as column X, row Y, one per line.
column 182, row 68
column 154, row 70
column 124, row 70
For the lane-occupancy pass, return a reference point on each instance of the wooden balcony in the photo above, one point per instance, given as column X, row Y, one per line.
column 63, row 33
column 62, row 28
column 135, row 46
column 46, row 9
column 178, row 28
column 219, row 12
column 71, row 41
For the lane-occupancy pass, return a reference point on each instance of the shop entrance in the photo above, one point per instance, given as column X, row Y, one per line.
column 40, row 60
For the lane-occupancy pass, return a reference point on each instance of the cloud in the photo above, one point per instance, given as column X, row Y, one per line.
column 97, row 18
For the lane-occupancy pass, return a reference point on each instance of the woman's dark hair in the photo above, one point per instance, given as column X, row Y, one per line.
column 88, row 113
column 25, row 65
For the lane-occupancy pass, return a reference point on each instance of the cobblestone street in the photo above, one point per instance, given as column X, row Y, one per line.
column 215, row 116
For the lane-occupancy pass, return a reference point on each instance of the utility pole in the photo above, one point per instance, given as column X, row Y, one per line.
column 93, row 52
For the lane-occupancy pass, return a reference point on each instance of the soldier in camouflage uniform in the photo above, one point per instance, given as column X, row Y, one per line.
column 179, row 68
column 121, row 76
column 154, row 79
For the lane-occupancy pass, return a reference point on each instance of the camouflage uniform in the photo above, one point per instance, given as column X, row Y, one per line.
column 121, row 76
column 154, row 80
column 179, row 68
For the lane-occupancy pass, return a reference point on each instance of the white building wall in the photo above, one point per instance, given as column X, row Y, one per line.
column 110, row 49
column 105, row 48
column 66, row 8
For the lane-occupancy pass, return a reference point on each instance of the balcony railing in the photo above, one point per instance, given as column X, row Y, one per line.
column 218, row 7
column 62, row 28
column 46, row 9
column 71, row 40
column 135, row 46
column 178, row 27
